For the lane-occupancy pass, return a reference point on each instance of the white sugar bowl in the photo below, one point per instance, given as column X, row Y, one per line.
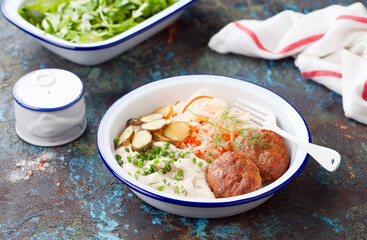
column 49, row 107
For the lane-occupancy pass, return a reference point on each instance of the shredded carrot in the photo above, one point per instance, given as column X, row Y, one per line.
column 194, row 99
column 192, row 141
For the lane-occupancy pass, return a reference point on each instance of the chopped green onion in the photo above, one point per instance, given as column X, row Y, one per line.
column 179, row 175
column 182, row 154
column 118, row 159
column 116, row 140
column 140, row 164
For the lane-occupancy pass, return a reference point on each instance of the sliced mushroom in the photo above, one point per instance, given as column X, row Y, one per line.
column 154, row 125
column 126, row 136
column 142, row 140
column 166, row 111
column 134, row 122
column 178, row 131
column 151, row 117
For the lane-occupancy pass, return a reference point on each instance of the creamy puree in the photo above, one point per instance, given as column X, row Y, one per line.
column 185, row 178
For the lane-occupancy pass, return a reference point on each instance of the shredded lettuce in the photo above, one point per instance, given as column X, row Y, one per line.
column 86, row 21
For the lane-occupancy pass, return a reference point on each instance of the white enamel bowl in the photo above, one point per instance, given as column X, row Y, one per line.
column 156, row 94
column 99, row 52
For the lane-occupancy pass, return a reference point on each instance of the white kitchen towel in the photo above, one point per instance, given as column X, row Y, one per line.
column 329, row 46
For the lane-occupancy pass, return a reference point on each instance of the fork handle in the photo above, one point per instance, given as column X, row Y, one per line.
column 326, row 157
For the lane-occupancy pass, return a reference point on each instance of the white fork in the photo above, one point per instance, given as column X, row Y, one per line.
column 326, row 157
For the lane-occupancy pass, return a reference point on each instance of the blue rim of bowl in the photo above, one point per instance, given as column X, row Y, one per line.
column 54, row 109
column 201, row 203
column 80, row 48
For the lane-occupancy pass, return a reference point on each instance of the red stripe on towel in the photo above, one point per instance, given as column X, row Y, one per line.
column 300, row 43
column 288, row 48
column 353, row 18
column 252, row 35
column 364, row 92
column 321, row 73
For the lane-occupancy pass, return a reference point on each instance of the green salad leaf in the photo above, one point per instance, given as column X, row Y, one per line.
column 86, row 21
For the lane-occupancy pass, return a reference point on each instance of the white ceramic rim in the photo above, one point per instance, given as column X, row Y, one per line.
column 24, row 105
column 13, row 16
column 103, row 144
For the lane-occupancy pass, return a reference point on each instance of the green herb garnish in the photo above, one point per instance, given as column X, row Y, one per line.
column 116, row 140
column 224, row 126
column 81, row 21
column 179, row 175
column 166, row 168
column 118, row 159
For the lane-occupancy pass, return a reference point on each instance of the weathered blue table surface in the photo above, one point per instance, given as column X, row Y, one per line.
column 74, row 196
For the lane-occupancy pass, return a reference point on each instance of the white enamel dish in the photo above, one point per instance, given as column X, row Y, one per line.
column 156, row 94
column 99, row 52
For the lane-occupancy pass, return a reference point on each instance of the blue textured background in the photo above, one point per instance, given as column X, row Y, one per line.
column 76, row 197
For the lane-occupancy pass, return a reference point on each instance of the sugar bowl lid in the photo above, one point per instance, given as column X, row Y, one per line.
column 48, row 90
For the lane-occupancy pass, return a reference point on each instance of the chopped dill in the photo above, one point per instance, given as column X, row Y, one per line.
column 223, row 128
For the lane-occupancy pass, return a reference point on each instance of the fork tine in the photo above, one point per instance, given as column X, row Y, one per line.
column 257, row 122
column 259, row 109
column 254, row 118
column 252, row 108
column 254, row 113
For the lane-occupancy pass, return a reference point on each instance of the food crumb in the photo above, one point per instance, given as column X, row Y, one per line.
column 349, row 136
column 30, row 173
column 42, row 168
column 46, row 164
column 26, row 178
column 65, row 164
column 57, row 184
column 18, row 164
